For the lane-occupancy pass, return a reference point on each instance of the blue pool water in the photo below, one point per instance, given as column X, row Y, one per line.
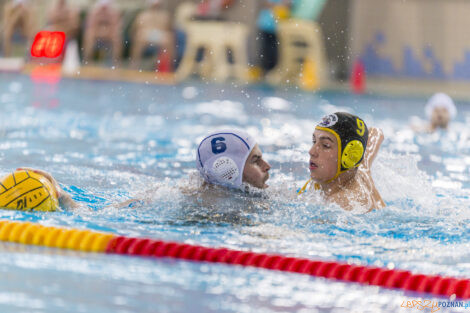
column 106, row 142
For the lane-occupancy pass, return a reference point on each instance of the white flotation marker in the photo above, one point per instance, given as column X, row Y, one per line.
column 71, row 63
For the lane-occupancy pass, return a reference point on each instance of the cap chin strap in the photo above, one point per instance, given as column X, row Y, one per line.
column 304, row 188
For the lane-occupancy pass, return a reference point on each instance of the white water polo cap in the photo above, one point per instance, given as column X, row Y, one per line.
column 440, row 100
column 222, row 155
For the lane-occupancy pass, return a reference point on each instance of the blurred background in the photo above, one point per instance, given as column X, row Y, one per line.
column 270, row 67
column 409, row 46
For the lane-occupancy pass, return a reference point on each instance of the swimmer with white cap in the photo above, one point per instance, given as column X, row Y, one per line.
column 232, row 159
column 440, row 109
column 341, row 156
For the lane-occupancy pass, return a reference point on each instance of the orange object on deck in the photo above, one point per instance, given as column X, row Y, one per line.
column 358, row 77
column 48, row 44
column 164, row 62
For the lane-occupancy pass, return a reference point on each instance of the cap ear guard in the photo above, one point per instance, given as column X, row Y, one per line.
column 222, row 155
column 352, row 154
column 225, row 171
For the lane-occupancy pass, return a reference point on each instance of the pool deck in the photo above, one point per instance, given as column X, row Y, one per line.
column 419, row 88
column 383, row 86
column 106, row 74
column 121, row 74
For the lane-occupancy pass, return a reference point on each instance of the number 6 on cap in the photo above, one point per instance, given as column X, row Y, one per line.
column 218, row 146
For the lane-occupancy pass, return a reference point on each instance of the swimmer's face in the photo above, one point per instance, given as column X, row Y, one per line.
column 440, row 117
column 256, row 171
column 323, row 156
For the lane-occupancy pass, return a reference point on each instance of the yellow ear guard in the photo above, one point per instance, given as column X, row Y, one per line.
column 352, row 154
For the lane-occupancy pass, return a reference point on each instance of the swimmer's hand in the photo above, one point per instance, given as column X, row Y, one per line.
column 376, row 137
column 65, row 200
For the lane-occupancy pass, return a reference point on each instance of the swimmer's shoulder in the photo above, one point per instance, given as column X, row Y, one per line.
column 361, row 193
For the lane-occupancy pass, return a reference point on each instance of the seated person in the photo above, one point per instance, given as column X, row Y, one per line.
column 440, row 109
column 340, row 161
column 103, row 25
column 151, row 27
column 17, row 14
column 64, row 18
column 268, row 18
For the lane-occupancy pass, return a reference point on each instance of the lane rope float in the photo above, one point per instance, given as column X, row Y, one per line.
column 91, row 241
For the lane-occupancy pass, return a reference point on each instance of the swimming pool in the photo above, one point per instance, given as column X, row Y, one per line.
column 107, row 142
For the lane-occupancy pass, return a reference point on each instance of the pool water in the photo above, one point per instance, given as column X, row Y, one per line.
column 107, row 142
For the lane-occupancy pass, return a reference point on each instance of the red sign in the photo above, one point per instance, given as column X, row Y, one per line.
column 48, row 44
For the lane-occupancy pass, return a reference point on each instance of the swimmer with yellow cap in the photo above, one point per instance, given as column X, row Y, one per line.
column 341, row 155
column 64, row 199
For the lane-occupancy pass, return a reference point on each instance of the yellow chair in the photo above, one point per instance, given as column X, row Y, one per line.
column 301, row 45
column 217, row 38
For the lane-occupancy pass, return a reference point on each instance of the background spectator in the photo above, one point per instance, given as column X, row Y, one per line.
column 151, row 27
column 104, row 24
column 17, row 15
column 268, row 18
column 63, row 17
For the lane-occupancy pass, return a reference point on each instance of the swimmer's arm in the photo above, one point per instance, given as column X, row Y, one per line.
column 128, row 203
column 376, row 137
column 139, row 199
column 65, row 200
